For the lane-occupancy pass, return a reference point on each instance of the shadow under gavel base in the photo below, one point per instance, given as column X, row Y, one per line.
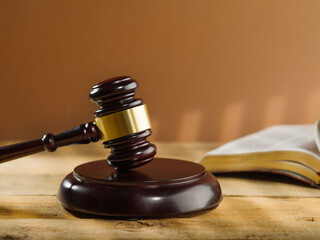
column 164, row 187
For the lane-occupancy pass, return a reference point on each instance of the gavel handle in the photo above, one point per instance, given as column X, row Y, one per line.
column 85, row 133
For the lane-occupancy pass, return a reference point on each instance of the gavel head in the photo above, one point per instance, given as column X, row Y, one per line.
column 123, row 122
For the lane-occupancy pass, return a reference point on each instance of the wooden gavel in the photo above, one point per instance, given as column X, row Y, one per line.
column 122, row 123
column 164, row 187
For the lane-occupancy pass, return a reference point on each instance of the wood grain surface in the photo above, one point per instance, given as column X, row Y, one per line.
column 255, row 206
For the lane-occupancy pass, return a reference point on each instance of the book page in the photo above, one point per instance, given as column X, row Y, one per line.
column 275, row 138
column 316, row 132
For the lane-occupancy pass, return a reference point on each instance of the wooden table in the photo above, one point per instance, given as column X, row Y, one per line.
column 256, row 207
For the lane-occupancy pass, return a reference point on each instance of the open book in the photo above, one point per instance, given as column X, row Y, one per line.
column 292, row 150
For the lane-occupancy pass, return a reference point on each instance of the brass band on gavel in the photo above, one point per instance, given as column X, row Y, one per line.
column 123, row 123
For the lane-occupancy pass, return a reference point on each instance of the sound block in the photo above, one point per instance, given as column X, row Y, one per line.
column 164, row 187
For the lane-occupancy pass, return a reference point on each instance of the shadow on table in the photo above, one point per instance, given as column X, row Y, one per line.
column 93, row 216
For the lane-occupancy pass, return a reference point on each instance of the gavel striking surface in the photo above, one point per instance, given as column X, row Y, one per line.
column 164, row 187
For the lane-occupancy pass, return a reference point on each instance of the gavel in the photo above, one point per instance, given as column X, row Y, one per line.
column 122, row 123
column 130, row 182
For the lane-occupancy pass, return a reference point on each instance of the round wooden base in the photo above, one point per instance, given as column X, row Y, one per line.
column 164, row 187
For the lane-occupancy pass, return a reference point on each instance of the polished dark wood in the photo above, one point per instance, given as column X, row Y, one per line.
column 85, row 133
column 164, row 187
column 114, row 95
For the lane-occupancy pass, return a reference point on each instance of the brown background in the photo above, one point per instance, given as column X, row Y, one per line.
column 208, row 70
